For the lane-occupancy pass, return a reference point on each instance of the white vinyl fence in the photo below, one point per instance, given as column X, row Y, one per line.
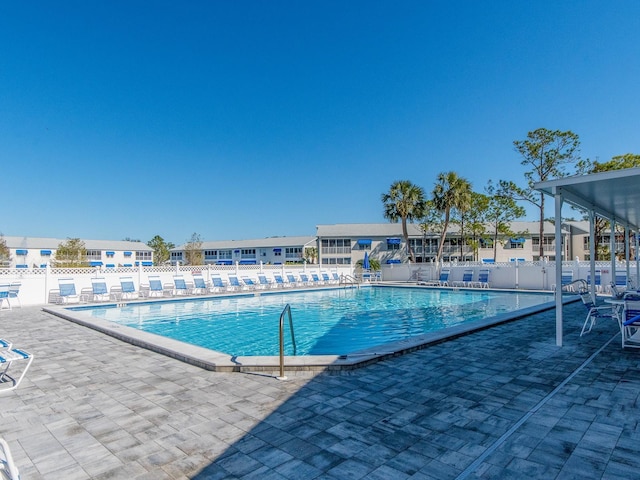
column 38, row 286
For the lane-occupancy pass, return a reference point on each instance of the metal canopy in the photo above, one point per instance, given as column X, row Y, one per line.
column 614, row 194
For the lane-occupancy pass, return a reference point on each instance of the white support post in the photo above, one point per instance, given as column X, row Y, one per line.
column 558, row 239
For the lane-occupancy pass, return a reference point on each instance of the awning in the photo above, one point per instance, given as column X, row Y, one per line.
column 277, row 250
column 110, row 265
column 22, row 265
column 394, row 241
column 95, row 264
column 45, row 252
column 147, row 264
column 127, row 265
column 127, row 254
column 517, row 240
column 110, row 253
column 247, row 262
column 488, row 260
column 224, row 262
column 393, row 260
column 364, row 241
column 22, row 252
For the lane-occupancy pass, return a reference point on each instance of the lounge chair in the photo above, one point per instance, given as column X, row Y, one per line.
column 8, row 468
column 7, row 358
column 67, row 291
column 264, row 282
column 598, row 280
column 566, row 280
column 594, row 312
column 234, row 283
column 128, row 288
column 293, row 281
column 336, row 278
column 304, row 279
column 325, row 277
column 156, row 289
column 14, row 291
column 316, row 279
column 180, row 286
column 467, row 277
column 218, row 284
column 199, row 285
column 630, row 321
column 280, row 281
column 249, row 283
column 4, row 296
column 483, row 279
column 443, row 280
column 99, row 291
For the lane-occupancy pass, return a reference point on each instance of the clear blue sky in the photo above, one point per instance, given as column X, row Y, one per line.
column 248, row 119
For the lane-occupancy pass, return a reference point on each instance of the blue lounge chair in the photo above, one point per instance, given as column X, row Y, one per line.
column 156, row 289
column 467, row 277
column 218, row 284
column 67, row 291
column 630, row 321
column 598, row 280
column 7, row 358
column 234, row 283
column 99, row 292
column 4, row 296
column 249, row 283
column 199, row 285
column 443, row 280
column 316, row 279
column 264, row 282
column 304, row 279
column 128, row 288
column 14, row 291
column 483, row 279
column 180, row 286
column 280, row 281
column 326, row 279
column 291, row 278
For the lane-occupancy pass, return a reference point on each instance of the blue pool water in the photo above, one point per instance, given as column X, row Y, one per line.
column 326, row 322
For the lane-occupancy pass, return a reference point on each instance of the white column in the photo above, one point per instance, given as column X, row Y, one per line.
column 558, row 232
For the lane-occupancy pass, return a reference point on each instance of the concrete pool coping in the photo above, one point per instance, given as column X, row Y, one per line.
column 221, row 362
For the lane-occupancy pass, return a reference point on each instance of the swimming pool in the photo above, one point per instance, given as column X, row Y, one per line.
column 326, row 322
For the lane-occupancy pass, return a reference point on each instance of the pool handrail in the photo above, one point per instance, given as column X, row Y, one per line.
column 287, row 309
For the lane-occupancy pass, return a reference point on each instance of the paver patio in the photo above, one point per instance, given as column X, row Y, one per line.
column 500, row 403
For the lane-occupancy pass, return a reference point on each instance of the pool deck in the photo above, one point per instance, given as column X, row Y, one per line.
column 504, row 403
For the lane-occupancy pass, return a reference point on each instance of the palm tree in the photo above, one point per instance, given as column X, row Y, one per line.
column 405, row 201
column 450, row 192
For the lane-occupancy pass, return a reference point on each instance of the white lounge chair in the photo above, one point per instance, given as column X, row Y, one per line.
column 630, row 322
column 4, row 296
column 8, row 468
column 99, row 292
column 14, row 292
column 128, row 288
column 594, row 312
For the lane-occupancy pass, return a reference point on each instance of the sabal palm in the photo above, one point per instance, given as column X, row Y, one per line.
column 451, row 191
column 404, row 201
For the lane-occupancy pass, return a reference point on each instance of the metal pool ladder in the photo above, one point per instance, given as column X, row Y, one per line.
column 286, row 310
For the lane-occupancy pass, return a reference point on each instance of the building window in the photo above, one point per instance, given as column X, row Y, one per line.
column 486, row 243
column 94, row 254
column 176, row 256
column 225, row 254
column 393, row 243
column 293, row 252
column 248, row 253
column 336, row 245
column 336, row 261
column 143, row 255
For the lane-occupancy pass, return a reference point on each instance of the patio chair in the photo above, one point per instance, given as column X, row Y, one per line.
column 325, row 277
column 67, row 292
column 7, row 358
column 128, row 288
column 218, row 284
column 594, row 311
column 316, row 279
column 5, row 344
column 630, row 322
column 483, row 279
column 467, row 277
column 234, row 283
column 336, row 278
column 280, row 281
column 199, row 285
column 180, row 286
column 99, row 292
column 304, row 279
column 597, row 282
column 443, row 280
column 4, row 296
column 8, row 468
column 14, row 291
column 249, row 283
column 293, row 281
column 156, row 289
column 264, row 282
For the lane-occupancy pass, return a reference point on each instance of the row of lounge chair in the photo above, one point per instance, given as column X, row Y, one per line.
column 482, row 280
column 99, row 292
